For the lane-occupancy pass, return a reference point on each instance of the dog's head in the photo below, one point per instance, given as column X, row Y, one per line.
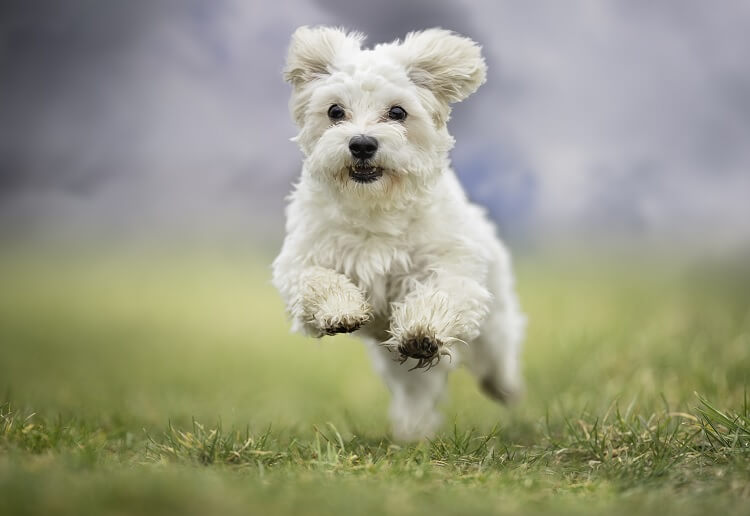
column 373, row 121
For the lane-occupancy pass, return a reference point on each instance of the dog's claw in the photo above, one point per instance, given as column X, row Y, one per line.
column 425, row 349
column 343, row 328
column 346, row 324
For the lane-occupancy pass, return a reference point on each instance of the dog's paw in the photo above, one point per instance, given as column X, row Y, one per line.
column 423, row 346
column 504, row 382
column 331, row 324
column 342, row 314
column 499, row 390
column 330, row 304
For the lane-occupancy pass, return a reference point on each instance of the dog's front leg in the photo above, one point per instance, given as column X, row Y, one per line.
column 325, row 302
column 435, row 314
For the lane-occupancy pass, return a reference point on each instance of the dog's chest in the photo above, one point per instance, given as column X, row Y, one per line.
column 376, row 264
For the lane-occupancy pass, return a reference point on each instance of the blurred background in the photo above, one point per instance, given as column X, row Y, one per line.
column 144, row 161
column 600, row 123
column 145, row 157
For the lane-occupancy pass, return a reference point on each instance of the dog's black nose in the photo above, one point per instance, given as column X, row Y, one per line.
column 363, row 147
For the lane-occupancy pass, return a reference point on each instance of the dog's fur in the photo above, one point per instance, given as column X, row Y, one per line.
column 405, row 261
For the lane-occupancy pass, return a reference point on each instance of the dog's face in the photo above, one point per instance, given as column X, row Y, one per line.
column 372, row 121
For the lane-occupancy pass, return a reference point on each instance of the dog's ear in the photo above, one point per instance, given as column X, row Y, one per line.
column 449, row 65
column 313, row 50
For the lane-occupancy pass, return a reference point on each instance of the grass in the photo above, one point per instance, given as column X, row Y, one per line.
column 150, row 382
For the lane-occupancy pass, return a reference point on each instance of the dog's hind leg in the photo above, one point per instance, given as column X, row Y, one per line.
column 415, row 393
column 494, row 356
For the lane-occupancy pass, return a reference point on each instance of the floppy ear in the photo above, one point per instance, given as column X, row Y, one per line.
column 312, row 51
column 449, row 65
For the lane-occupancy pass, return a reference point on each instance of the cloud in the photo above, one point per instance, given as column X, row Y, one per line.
column 630, row 116
column 154, row 115
column 619, row 119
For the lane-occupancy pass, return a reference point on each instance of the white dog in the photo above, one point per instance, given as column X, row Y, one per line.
column 381, row 239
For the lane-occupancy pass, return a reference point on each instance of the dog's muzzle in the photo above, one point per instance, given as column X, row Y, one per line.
column 363, row 148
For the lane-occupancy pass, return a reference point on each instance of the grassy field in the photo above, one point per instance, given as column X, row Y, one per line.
column 145, row 382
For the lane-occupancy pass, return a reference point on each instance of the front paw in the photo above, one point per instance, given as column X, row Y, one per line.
column 341, row 314
column 332, row 324
column 423, row 346
column 329, row 303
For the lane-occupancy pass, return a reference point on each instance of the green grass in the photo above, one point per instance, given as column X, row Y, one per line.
column 141, row 382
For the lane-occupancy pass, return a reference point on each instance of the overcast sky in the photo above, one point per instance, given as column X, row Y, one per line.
column 622, row 119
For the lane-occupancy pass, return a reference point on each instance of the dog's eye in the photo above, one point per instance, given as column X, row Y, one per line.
column 397, row 113
column 336, row 112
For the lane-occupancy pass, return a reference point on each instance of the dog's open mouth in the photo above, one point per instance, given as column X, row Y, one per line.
column 364, row 173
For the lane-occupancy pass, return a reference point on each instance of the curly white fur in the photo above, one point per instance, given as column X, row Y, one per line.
column 406, row 261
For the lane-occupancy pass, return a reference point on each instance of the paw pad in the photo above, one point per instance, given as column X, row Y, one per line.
column 343, row 323
column 343, row 327
column 426, row 349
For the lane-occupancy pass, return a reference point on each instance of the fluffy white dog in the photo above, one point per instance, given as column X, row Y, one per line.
column 381, row 239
